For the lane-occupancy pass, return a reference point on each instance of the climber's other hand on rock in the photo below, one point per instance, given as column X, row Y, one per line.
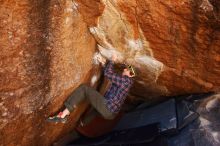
column 101, row 59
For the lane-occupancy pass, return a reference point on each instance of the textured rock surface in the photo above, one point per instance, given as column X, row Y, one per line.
column 174, row 44
column 46, row 51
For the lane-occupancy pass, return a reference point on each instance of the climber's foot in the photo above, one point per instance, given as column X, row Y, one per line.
column 57, row 119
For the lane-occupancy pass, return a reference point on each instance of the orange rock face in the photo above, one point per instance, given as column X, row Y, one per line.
column 185, row 37
column 46, row 52
column 47, row 48
column 173, row 45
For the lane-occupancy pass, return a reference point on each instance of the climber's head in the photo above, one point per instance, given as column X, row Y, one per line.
column 129, row 71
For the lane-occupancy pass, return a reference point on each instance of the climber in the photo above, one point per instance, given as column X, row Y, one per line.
column 109, row 105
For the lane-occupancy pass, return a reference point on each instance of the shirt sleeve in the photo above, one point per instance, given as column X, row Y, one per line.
column 111, row 75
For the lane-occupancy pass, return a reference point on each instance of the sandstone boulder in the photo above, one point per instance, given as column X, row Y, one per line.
column 174, row 45
column 47, row 50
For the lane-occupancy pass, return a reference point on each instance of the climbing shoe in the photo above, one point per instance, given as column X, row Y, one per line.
column 57, row 119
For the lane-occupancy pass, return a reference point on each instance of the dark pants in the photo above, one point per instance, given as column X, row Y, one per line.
column 84, row 92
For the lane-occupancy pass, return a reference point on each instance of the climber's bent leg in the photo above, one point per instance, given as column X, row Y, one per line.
column 98, row 102
column 76, row 97
column 83, row 92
